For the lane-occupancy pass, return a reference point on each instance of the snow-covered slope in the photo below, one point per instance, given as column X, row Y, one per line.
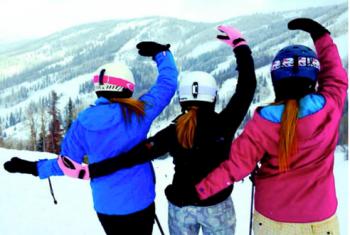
column 27, row 207
column 65, row 61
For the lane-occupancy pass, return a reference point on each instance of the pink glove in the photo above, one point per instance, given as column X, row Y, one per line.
column 73, row 169
column 233, row 37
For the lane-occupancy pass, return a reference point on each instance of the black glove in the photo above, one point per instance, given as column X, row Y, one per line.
column 151, row 48
column 315, row 29
column 21, row 166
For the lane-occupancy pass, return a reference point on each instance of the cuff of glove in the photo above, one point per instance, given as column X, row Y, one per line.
column 319, row 33
column 238, row 42
column 35, row 169
column 242, row 50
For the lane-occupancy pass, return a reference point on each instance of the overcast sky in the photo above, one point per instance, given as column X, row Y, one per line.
column 34, row 18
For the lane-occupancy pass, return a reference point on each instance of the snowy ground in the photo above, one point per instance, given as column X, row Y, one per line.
column 26, row 206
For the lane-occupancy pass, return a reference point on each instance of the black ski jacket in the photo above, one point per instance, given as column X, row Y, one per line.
column 213, row 136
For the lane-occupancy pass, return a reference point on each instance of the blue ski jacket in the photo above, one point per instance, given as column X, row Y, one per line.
column 100, row 132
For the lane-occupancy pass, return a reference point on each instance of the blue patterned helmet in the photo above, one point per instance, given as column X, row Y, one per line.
column 295, row 61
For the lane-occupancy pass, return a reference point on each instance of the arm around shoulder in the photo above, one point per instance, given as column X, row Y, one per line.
column 245, row 153
column 146, row 151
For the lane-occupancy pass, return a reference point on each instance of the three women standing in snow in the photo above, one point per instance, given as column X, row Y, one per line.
column 293, row 139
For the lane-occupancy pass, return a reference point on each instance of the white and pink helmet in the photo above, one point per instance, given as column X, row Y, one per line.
column 114, row 78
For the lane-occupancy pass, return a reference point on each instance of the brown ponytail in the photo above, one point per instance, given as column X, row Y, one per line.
column 288, row 143
column 186, row 126
column 130, row 106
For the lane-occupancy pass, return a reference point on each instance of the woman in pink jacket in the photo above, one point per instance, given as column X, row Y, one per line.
column 294, row 140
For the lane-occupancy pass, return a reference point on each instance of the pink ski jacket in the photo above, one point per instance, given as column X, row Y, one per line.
column 306, row 192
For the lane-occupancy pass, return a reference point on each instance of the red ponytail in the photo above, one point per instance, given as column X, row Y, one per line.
column 129, row 106
column 288, row 143
column 186, row 126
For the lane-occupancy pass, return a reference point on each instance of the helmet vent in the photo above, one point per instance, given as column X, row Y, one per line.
column 195, row 89
column 295, row 64
column 102, row 73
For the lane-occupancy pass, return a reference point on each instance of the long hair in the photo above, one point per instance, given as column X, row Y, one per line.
column 288, row 143
column 186, row 126
column 130, row 106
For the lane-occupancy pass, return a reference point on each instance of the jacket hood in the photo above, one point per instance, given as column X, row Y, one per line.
column 308, row 122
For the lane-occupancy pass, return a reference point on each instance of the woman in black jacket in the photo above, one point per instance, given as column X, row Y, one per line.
column 199, row 140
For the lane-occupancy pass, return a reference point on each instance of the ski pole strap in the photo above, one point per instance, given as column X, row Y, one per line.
column 159, row 226
column 51, row 191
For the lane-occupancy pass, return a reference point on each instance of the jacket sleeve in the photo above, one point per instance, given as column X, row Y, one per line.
column 332, row 79
column 160, row 94
column 245, row 152
column 147, row 150
column 232, row 115
column 71, row 147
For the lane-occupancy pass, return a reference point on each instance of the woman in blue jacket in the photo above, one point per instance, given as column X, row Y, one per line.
column 115, row 124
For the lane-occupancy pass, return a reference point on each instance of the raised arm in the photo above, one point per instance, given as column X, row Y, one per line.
column 332, row 78
column 160, row 94
column 147, row 150
column 232, row 115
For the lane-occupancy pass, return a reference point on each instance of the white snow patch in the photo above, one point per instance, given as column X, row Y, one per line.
column 27, row 206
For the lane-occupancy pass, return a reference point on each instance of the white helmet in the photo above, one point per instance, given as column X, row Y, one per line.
column 114, row 77
column 197, row 86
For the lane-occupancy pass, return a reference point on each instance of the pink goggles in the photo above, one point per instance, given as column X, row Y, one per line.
column 114, row 81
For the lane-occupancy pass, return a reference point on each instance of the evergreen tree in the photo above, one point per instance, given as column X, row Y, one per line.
column 70, row 114
column 1, row 136
column 32, row 138
column 41, row 142
column 54, row 136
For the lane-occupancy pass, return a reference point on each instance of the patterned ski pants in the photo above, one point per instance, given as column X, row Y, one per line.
column 265, row 226
column 219, row 219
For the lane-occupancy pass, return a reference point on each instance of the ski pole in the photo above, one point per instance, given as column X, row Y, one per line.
column 252, row 179
column 51, row 191
column 251, row 209
column 159, row 226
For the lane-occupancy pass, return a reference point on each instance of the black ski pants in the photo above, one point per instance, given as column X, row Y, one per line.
column 138, row 223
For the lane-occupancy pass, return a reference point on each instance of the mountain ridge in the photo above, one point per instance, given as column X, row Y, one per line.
column 64, row 61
